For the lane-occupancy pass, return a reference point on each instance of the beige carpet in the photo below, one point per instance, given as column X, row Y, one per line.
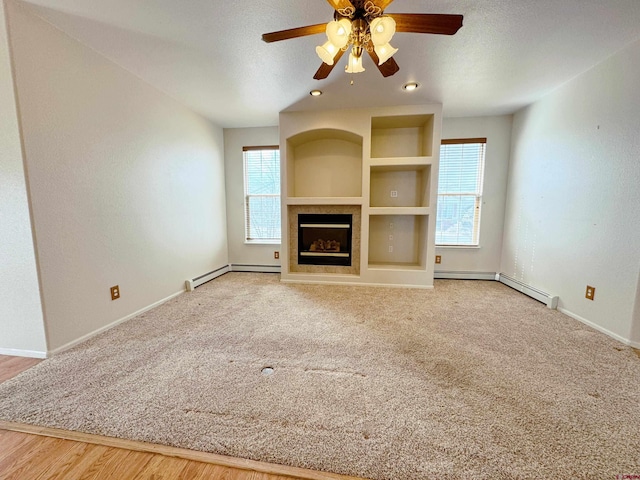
column 471, row 380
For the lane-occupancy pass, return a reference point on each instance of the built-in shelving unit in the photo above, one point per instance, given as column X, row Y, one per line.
column 324, row 163
column 382, row 162
column 397, row 240
column 399, row 185
column 402, row 136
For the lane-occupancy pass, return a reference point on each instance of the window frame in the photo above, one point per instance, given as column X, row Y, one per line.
column 477, row 194
column 247, row 196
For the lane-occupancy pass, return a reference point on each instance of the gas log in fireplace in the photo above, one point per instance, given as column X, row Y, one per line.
column 324, row 239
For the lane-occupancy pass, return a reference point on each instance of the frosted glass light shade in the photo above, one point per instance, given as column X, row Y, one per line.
column 338, row 32
column 384, row 52
column 354, row 65
column 382, row 30
column 326, row 52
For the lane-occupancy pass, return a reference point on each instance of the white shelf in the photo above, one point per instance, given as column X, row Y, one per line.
column 396, row 266
column 398, row 163
column 324, row 201
column 400, row 211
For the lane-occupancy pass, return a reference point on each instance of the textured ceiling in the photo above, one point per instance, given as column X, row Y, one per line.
column 209, row 55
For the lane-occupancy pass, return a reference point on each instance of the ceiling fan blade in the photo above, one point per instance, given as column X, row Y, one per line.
column 442, row 24
column 388, row 68
column 342, row 5
column 324, row 70
column 294, row 32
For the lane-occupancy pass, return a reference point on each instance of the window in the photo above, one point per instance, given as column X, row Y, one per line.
column 262, row 194
column 460, row 191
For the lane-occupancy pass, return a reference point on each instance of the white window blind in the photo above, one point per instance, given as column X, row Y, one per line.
column 262, row 193
column 460, row 181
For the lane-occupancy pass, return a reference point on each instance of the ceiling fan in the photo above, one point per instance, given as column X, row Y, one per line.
column 362, row 25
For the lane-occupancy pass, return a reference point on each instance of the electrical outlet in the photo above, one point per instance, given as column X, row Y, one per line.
column 394, row 193
column 390, row 225
column 391, row 238
column 590, row 293
column 438, row 259
column 115, row 292
column 276, row 255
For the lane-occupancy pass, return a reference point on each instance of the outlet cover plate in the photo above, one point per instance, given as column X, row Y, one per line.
column 115, row 292
column 590, row 293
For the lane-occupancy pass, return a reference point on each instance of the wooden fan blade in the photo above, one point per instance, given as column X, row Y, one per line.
column 341, row 5
column 382, row 3
column 388, row 68
column 294, row 32
column 324, row 70
column 442, row 24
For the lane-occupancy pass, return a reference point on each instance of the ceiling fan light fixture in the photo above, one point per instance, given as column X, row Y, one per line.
column 355, row 64
column 327, row 51
column 384, row 52
column 382, row 30
column 338, row 32
column 362, row 24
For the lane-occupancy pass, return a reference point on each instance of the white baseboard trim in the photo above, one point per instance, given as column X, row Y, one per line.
column 549, row 300
column 464, row 275
column 599, row 328
column 190, row 285
column 75, row 342
column 15, row 352
column 235, row 267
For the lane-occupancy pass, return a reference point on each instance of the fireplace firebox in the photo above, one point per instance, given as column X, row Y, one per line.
column 324, row 239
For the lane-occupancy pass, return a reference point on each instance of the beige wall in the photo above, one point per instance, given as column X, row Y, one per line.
column 497, row 131
column 573, row 206
column 484, row 259
column 241, row 253
column 21, row 322
column 126, row 185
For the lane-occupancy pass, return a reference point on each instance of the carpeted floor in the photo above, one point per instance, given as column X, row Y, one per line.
column 471, row 380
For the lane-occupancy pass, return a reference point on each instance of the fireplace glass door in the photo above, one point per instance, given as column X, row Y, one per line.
column 324, row 239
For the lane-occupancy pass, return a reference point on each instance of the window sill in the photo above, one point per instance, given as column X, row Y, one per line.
column 262, row 242
column 458, row 246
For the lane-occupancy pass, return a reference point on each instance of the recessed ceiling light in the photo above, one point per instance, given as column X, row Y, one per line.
column 410, row 86
column 315, row 93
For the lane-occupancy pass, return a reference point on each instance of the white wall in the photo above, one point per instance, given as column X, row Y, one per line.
column 234, row 139
column 497, row 131
column 126, row 185
column 21, row 321
column 573, row 200
column 635, row 324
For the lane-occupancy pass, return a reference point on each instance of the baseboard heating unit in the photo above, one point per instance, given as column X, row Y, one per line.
column 236, row 267
column 190, row 285
column 443, row 274
column 550, row 300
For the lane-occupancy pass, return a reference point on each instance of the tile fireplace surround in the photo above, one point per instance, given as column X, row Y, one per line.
column 295, row 210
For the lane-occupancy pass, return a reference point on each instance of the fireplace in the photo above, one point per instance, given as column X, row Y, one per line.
column 324, row 239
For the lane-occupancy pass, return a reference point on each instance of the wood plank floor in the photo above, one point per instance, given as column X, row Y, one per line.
column 36, row 453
